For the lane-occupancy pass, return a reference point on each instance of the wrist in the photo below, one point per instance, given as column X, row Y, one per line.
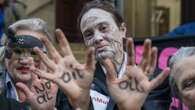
column 55, row 108
column 45, row 109
column 128, row 107
column 82, row 102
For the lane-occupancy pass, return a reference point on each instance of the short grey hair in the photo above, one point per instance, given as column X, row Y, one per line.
column 183, row 52
column 33, row 24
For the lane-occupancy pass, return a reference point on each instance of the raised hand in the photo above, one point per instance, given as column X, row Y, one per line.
column 72, row 77
column 130, row 91
column 41, row 95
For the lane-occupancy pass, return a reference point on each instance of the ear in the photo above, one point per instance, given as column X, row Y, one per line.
column 123, row 28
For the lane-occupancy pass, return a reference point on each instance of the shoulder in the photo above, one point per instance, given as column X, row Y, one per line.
column 185, row 29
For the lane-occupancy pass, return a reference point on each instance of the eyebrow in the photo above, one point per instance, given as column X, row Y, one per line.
column 90, row 19
column 102, row 23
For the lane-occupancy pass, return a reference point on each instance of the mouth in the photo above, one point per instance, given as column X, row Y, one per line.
column 23, row 69
column 100, row 48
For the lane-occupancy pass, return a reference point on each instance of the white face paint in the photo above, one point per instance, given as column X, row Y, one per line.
column 100, row 31
column 184, row 75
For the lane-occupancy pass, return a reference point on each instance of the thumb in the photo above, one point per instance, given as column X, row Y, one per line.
column 90, row 60
column 24, row 92
column 21, row 95
column 111, row 73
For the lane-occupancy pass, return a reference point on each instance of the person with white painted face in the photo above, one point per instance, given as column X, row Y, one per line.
column 115, row 81
column 182, row 79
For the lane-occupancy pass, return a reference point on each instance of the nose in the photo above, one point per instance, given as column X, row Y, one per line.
column 98, row 37
column 25, row 60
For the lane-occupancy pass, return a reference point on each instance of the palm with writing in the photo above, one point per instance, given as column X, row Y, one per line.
column 40, row 95
column 72, row 77
column 130, row 91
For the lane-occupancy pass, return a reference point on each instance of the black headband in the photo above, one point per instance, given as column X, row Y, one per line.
column 24, row 41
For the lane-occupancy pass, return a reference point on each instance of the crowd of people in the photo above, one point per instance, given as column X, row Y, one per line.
column 39, row 74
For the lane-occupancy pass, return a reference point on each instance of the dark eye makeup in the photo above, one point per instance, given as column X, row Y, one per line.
column 188, row 84
column 17, row 51
column 88, row 34
column 103, row 27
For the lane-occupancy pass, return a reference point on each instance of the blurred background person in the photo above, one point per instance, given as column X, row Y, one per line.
column 10, row 11
column 187, row 29
column 182, row 79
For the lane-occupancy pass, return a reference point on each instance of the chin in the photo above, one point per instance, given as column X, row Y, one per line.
column 105, row 54
column 25, row 78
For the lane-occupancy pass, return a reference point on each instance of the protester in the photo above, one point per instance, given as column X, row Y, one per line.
column 20, row 84
column 85, row 85
column 182, row 78
column 187, row 30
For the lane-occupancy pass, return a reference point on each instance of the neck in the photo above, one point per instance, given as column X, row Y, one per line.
column 119, row 60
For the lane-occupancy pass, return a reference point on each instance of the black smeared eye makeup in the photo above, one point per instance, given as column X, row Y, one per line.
column 188, row 84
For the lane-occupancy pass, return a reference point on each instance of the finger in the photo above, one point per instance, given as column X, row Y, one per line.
column 111, row 73
column 64, row 46
column 131, row 52
column 133, row 84
column 90, row 62
column 146, row 54
column 153, row 60
column 137, row 84
column 42, row 66
column 43, row 74
column 21, row 95
column 35, row 78
column 51, row 49
column 49, row 63
column 159, row 79
column 140, row 88
column 24, row 89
